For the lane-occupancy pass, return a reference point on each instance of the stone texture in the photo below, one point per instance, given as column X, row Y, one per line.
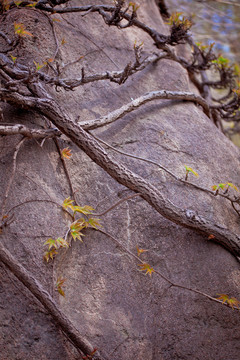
column 125, row 314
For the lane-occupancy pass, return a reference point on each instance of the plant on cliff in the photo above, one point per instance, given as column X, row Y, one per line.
column 27, row 87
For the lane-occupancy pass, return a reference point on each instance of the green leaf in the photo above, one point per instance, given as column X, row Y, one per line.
column 94, row 223
column 146, row 267
column 62, row 243
column 189, row 169
column 67, row 203
column 222, row 186
column 51, row 243
column 233, row 186
column 14, row 58
column 76, row 227
column 86, row 210
column 221, row 61
column 233, row 302
column 39, row 66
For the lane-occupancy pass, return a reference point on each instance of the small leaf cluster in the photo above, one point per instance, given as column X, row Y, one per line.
column 232, row 302
column 20, row 30
column 134, row 6
column 225, row 187
column 177, row 19
column 53, row 246
column 221, row 62
column 179, row 28
column 75, row 228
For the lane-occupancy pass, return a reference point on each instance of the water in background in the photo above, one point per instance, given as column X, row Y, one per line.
column 214, row 21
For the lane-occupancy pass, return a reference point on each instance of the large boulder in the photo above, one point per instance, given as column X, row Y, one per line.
column 125, row 314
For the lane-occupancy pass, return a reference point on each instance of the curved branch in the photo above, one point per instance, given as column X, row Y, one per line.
column 123, row 175
column 136, row 103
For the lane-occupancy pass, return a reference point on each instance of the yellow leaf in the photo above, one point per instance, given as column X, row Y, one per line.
column 94, row 223
column 17, row 3
column 86, row 209
column 233, row 186
column 76, row 227
column 59, row 285
column 223, row 297
column 51, row 243
column 67, row 203
column 146, row 267
column 33, row 4
column 6, row 4
column 233, row 302
column 140, row 251
column 14, row 58
column 66, row 153
column 38, row 66
column 49, row 254
column 19, row 29
column 189, row 169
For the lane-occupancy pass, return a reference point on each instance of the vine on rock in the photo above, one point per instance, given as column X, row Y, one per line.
column 26, row 87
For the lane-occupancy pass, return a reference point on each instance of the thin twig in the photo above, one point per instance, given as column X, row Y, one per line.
column 185, row 182
column 137, row 258
column 5, row 197
column 117, row 204
column 40, row 200
column 72, row 193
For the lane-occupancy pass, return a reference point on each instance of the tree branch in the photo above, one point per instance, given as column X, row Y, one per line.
column 19, row 129
column 185, row 217
column 136, row 103
column 46, row 300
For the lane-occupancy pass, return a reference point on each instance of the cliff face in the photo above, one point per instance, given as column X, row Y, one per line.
column 125, row 314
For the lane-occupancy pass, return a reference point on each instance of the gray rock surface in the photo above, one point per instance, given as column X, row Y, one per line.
column 125, row 314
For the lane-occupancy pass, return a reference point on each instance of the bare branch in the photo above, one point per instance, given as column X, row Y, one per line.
column 4, row 36
column 20, row 73
column 185, row 217
column 11, row 177
column 136, row 103
column 19, row 129
column 46, row 300
column 115, row 76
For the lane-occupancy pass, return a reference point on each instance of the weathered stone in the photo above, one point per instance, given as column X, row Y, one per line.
column 125, row 314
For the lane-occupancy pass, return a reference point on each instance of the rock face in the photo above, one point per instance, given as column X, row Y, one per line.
column 125, row 314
